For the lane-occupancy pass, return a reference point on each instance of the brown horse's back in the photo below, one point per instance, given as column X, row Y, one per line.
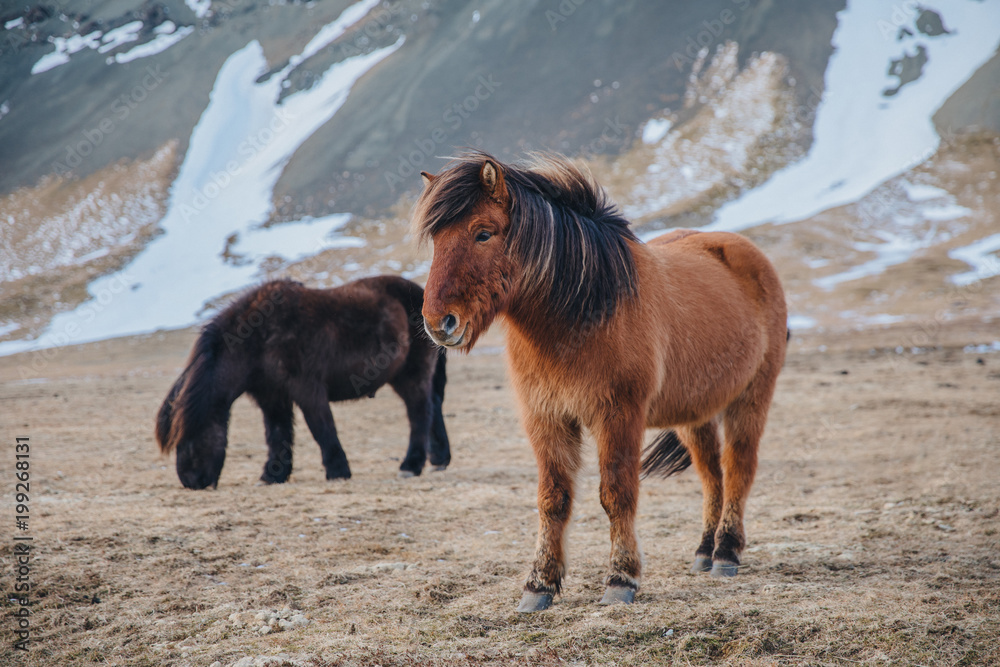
column 729, row 317
column 739, row 259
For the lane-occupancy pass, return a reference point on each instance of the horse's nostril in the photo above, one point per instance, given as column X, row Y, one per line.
column 450, row 323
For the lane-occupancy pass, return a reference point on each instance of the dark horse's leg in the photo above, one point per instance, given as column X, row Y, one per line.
column 419, row 408
column 440, row 451
column 316, row 409
column 279, row 430
column 619, row 443
column 702, row 443
column 557, row 450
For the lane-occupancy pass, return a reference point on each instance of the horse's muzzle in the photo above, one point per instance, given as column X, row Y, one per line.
column 447, row 333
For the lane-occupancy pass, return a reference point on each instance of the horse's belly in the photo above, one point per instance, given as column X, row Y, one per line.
column 696, row 393
column 367, row 372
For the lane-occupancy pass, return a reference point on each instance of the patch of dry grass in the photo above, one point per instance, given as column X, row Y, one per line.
column 62, row 234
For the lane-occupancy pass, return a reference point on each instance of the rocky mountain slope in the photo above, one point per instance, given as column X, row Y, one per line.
column 157, row 156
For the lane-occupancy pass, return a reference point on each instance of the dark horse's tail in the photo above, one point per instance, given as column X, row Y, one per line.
column 188, row 406
column 666, row 456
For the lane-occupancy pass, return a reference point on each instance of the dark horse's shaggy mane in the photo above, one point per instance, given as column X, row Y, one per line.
column 566, row 236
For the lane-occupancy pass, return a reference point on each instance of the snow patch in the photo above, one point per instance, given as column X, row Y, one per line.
column 332, row 31
column 918, row 192
column 167, row 34
column 984, row 348
column 122, row 35
column 797, row 322
column 945, row 212
column 294, row 240
column 7, row 328
column 65, row 47
column 895, row 249
column 862, row 137
column 655, row 129
column 883, row 318
column 980, row 256
column 199, row 7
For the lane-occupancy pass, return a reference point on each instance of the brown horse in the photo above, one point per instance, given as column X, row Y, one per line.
column 284, row 343
column 613, row 335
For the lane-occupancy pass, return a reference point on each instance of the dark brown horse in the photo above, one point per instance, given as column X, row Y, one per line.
column 609, row 334
column 284, row 343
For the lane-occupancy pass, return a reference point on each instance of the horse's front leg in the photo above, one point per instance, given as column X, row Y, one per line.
column 619, row 445
column 556, row 442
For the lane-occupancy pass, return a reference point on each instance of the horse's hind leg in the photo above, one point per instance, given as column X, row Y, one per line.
column 279, row 431
column 702, row 443
column 744, row 422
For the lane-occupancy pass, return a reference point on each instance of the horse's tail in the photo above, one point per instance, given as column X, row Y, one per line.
column 666, row 456
column 188, row 406
column 165, row 416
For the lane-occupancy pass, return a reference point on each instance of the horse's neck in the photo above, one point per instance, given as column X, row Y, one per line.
column 535, row 324
column 535, row 328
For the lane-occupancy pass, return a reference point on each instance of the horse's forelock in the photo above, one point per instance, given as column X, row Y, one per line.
column 450, row 197
column 567, row 237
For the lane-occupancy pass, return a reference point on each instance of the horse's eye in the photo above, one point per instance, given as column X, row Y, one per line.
column 483, row 236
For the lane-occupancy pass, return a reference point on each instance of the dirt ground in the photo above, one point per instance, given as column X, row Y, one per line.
column 873, row 526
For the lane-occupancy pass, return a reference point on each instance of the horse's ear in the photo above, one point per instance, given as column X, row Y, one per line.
column 428, row 178
column 492, row 179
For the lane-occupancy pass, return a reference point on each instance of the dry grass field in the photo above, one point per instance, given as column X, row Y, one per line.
column 873, row 527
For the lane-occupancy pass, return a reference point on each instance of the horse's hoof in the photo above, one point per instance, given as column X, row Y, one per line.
column 406, row 474
column 724, row 568
column 440, row 468
column 532, row 602
column 618, row 595
column 702, row 564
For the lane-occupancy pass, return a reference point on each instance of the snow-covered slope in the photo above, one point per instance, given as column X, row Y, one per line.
column 224, row 187
column 862, row 136
column 894, row 65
